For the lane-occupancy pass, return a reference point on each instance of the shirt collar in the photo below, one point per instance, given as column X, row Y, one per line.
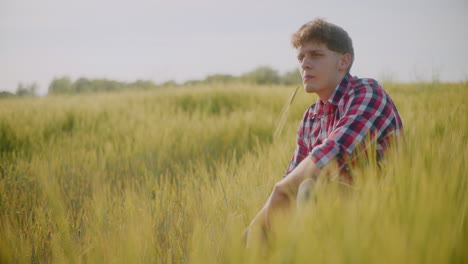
column 340, row 90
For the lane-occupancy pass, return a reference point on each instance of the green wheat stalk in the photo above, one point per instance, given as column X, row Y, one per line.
column 284, row 115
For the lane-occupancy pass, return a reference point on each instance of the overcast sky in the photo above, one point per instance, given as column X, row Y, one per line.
column 161, row 40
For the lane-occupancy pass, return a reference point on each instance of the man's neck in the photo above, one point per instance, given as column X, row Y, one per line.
column 327, row 93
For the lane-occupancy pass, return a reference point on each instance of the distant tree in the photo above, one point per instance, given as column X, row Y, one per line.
column 223, row 78
column 189, row 82
column 82, row 85
column 104, row 85
column 142, row 84
column 291, row 77
column 5, row 94
column 61, row 85
column 169, row 83
column 262, row 75
column 27, row 90
column 64, row 85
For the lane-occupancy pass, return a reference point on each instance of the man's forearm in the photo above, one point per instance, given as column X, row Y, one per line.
column 305, row 170
column 286, row 189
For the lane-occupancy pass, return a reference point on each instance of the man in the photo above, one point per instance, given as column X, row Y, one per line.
column 348, row 111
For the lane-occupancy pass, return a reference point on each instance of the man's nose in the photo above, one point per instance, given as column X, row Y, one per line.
column 305, row 63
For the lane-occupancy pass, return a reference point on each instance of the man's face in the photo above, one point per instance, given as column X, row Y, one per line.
column 321, row 68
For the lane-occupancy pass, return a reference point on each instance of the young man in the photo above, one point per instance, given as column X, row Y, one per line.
column 348, row 111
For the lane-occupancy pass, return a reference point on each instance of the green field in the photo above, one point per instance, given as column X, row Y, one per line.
column 175, row 175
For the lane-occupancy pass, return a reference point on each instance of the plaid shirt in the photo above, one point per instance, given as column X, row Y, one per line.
column 357, row 107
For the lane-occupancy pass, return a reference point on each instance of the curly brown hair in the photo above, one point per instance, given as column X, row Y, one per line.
column 323, row 32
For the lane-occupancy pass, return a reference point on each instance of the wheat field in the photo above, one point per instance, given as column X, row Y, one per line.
column 175, row 175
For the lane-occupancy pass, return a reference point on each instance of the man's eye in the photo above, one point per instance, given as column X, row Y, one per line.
column 300, row 58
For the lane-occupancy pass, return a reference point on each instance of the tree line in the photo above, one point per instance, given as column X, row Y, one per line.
column 263, row 75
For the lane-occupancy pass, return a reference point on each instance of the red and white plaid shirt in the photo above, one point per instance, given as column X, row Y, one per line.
column 357, row 108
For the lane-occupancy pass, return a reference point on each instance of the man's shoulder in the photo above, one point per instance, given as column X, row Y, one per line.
column 363, row 87
column 362, row 84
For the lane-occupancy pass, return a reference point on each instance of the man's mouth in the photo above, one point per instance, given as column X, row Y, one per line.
column 308, row 77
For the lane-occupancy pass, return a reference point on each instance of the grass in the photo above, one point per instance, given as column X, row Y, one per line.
column 175, row 175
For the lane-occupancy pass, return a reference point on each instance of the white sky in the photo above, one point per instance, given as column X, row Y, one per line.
column 160, row 40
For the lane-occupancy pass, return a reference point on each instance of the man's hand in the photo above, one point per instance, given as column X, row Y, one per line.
column 280, row 200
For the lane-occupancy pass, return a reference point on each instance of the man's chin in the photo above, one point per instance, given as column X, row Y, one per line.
column 309, row 88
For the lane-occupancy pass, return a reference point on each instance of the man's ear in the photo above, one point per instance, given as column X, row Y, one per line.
column 345, row 62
